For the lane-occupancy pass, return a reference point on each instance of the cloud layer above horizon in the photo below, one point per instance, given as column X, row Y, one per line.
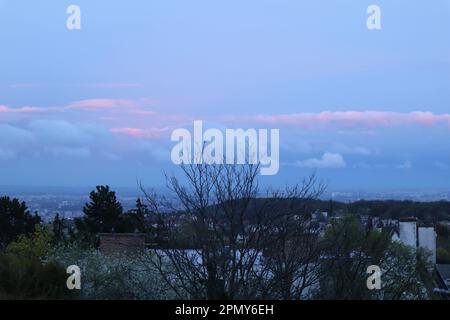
column 367, row 110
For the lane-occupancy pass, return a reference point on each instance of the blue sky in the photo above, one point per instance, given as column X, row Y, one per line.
column 366, row 109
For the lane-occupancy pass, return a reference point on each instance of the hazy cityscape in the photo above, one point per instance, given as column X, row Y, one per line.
column 69, row 202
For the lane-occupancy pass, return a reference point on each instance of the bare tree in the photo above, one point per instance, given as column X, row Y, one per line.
column 294, row 252
column 243, row 244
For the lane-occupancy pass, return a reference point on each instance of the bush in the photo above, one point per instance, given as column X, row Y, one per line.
column 36, row 245
column 25, row 277
column 119, row 277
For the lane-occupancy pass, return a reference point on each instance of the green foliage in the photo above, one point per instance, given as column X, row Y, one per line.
column 406, row 274
column 36, row 245
column 15, row 219
column 26, row 271
column 348, row 249
column 25, row 277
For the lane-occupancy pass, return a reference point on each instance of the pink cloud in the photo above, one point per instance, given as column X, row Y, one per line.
column 129, row 106
column 94, row 104
column 142, row 112
column 364, row 119
column 151, row 133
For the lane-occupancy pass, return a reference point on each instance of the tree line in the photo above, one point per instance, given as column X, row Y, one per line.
column 216, row 237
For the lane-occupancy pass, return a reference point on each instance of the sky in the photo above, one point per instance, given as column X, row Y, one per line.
column 365, row 109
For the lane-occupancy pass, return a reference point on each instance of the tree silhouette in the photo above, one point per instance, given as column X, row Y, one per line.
column 58, row 228
column 134, row 219
column 104, row 212
column 15, row 219
column 139, row 216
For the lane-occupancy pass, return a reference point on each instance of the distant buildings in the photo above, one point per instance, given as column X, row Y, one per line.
column 410, row 234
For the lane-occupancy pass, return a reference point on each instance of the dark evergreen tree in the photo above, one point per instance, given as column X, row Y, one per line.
column 103, row 213
column 141, row 214
column 135, row 219
column 15, row 219
column 58, row 228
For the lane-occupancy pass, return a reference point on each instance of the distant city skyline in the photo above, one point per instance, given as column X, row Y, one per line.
column 365, row 109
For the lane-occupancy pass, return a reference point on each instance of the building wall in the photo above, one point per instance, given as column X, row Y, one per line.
column 408, row 233
column 122, row 243
column 427, row 240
